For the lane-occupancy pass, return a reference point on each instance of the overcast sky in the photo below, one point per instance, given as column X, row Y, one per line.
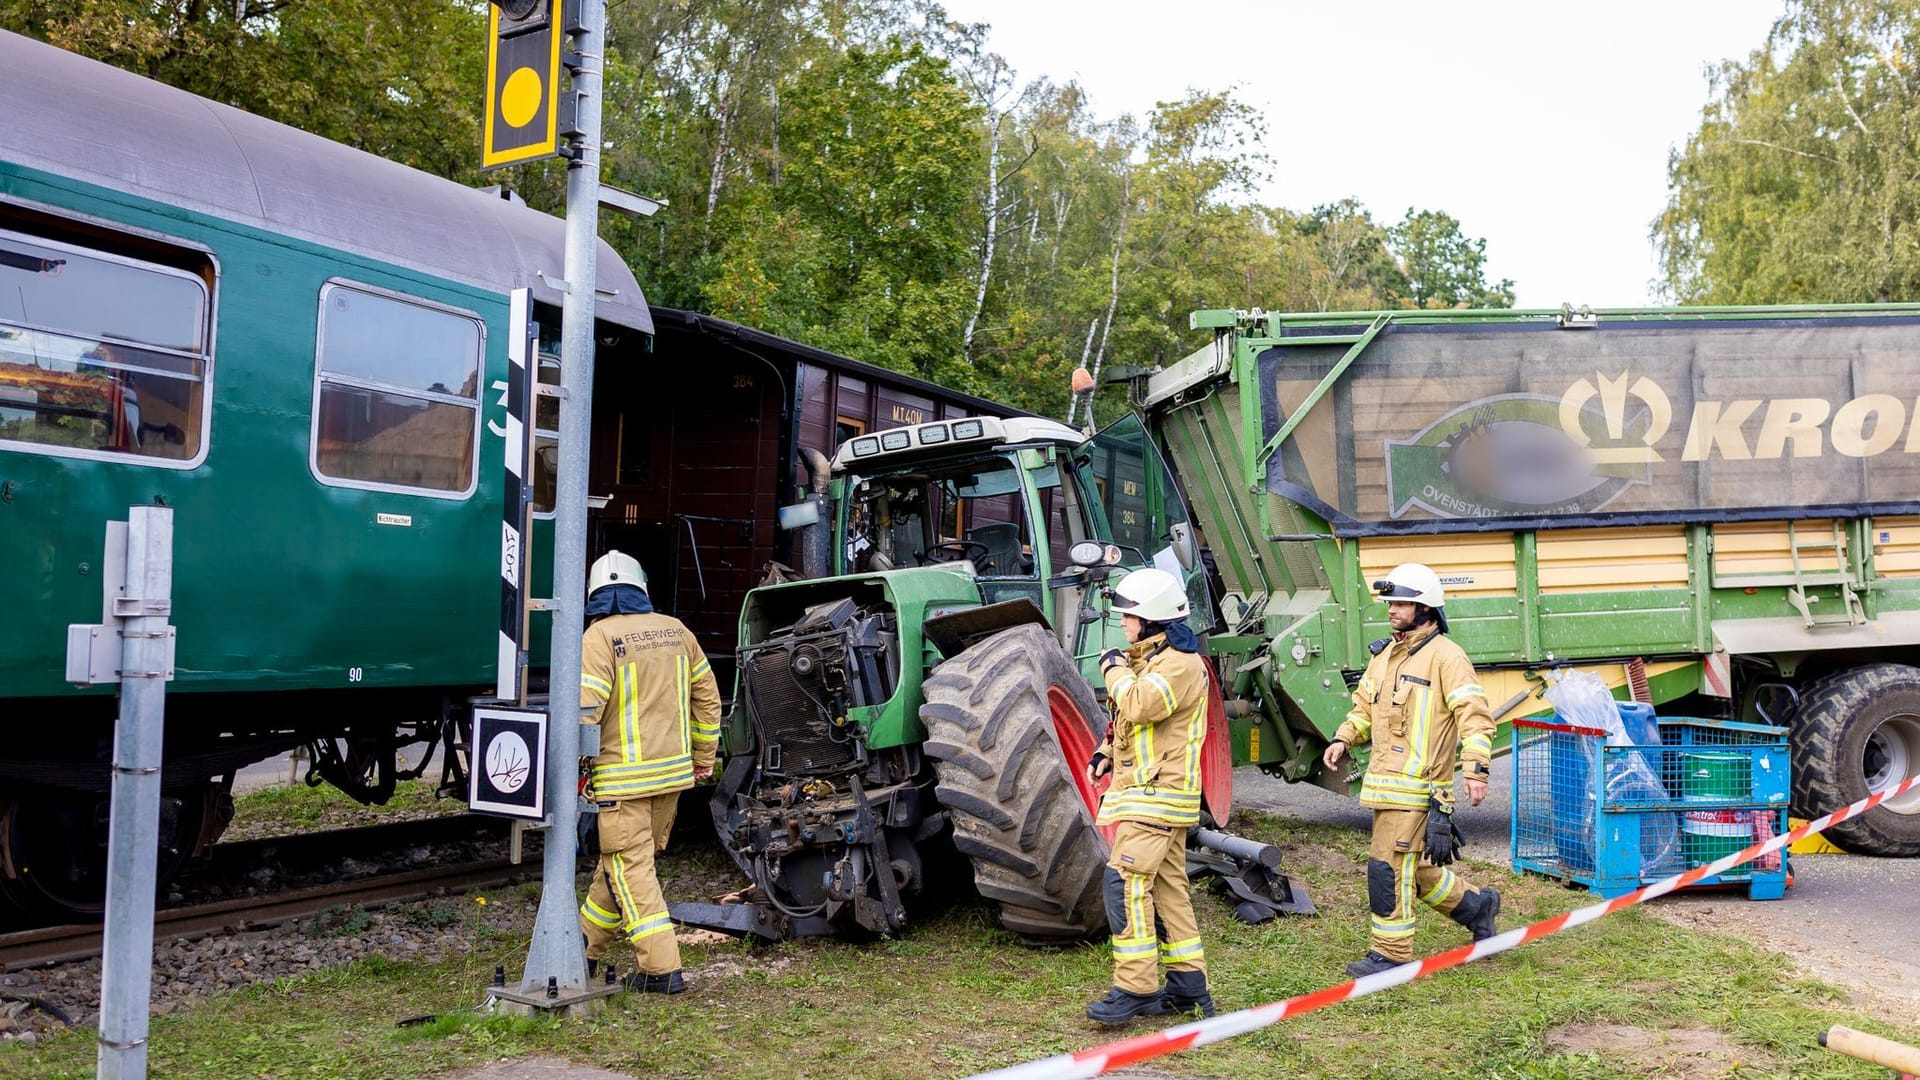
column 1544, row 126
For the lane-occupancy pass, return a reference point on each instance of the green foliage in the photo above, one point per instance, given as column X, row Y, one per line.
column 861, row 175
column 349, row 921
column 1802, row 183
column 1443, row 268
column 281, row 809
column 434, row 916
column 872, row 210
column 397, row 78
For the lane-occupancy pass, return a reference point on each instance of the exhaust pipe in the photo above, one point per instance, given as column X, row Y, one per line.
column 815, row 555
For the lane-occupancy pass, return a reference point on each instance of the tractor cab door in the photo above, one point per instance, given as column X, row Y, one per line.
column 1134, row 503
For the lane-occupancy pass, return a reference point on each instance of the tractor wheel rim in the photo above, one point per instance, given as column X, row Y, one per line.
column 1076, row 744
column 1891, row 755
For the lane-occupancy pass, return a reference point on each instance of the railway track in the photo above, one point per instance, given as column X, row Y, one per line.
column 65, row 944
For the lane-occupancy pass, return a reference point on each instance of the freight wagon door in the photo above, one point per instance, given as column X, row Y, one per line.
column 687, row 455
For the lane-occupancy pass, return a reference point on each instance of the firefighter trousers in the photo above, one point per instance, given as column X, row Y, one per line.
column 1397, row 873
column 624, row 899
column 1149, row 910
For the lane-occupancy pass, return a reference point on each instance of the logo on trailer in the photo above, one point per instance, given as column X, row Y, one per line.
column 1511, row 455
column 1619, row 446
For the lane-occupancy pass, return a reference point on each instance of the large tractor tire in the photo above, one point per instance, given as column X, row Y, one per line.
column 1857, row 732
column 1010, row 728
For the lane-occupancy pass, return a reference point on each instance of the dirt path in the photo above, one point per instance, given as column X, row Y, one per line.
column 1848, row 920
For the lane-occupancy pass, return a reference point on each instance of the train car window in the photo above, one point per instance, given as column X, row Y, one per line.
column 396, row 393
column 546, row 439
column 101, row 355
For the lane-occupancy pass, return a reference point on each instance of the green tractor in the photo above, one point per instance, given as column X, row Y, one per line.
column 924, row 701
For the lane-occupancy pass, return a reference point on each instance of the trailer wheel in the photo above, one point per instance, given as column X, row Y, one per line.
column 1858, row 732
column 1009, row 726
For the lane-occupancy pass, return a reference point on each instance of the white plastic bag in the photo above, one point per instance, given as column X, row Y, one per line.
column 1580, row 698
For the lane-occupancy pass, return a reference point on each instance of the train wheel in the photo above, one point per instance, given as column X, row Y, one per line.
column 1009, row 728
column 53, row 849
column 1858, row 732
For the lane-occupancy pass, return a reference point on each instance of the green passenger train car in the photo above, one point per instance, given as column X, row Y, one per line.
column 297, row 346
column 302, row 349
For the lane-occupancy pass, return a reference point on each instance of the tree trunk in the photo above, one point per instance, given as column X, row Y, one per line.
column 993, row 230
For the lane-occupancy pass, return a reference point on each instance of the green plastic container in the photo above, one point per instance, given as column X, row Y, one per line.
column 1716, row 776
column 1710, row 779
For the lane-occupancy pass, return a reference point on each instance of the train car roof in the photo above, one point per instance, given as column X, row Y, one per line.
column 708, row 326
column 79, row 118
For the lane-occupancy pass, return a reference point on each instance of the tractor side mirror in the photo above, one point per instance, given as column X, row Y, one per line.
column 1092, row 553
column 1180, row 535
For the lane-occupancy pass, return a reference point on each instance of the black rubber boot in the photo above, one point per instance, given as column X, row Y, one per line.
column 1371, row 964
column 1476, row 912
column 1120, row 1006
column 1187, row 991
column 670, row 983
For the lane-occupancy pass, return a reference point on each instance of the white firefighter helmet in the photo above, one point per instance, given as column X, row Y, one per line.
column 615, row 568
column 1412, row 581
column 1151, row 595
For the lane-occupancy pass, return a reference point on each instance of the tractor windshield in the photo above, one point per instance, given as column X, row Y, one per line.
column 972, row 511
column 975, row 511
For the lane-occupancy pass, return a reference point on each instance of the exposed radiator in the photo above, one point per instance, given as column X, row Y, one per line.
column 787, row 708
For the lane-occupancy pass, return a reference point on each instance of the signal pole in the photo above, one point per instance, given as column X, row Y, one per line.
column 555, row 957
column 529, row 113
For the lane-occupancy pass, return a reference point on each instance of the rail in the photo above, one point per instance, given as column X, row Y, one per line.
column 66, row 944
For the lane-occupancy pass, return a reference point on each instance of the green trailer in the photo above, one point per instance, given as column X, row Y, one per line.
column 1701, row 505
column 1716, row 510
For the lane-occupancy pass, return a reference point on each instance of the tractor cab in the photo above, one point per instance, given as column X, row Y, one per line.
column 1007, row 503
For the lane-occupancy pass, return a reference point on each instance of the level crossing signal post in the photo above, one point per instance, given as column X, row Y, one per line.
column 526, row 121
column 131, row 645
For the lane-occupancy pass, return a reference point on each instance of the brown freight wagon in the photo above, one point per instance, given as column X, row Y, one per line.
column 697, row 448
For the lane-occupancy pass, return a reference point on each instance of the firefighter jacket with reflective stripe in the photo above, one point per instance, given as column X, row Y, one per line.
column 1421, row 706
column 653, row 694
column 1159, row 699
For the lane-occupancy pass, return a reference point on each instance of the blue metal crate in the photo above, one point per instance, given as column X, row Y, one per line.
column 1614, row 818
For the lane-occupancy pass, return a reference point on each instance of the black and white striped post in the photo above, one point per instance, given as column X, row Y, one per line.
column 515, row 546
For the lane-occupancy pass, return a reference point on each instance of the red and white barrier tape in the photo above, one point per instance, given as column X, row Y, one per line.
column 1101, row 1059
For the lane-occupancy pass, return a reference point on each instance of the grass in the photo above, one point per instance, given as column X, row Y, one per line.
column 957, row 995
column 284, row 809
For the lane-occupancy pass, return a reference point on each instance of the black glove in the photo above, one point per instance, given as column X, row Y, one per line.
column 1111, row 657
column 1443, row 838
column 587, row 827
column 1094, row 765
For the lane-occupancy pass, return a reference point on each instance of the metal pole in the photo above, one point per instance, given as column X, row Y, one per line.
column 133, row 830
column 556, row 952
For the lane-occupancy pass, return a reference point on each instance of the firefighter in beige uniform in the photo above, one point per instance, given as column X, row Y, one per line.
column 1418, row 700
column 1158, row 690
column 646, row 683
